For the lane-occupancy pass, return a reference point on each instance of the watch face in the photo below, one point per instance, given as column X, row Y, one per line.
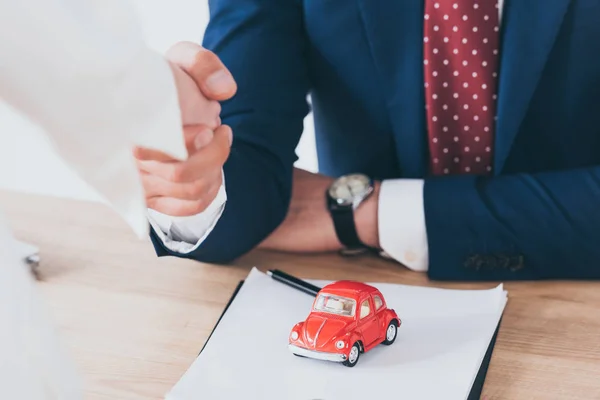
column 349, row 189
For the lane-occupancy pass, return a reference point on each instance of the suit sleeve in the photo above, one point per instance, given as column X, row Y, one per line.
column 262, row 43
column 529, row 226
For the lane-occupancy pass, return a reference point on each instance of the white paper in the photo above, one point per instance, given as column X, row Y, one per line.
column 440, row 346
column 33, row 363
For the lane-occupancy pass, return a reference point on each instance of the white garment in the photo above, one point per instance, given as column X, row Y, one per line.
column 184, row 234
column 81, row 71
column 402, row 230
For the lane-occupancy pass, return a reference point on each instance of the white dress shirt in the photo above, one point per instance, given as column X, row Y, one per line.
column 81, row 71
column 401, row 220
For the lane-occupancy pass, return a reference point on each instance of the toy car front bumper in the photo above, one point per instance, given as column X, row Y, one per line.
column 319, row 355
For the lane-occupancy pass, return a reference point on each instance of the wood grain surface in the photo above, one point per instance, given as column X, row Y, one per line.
column 134, row 322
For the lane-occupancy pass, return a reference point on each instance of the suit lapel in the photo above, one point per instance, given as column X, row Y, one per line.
column 394, row 31
column 529, row 30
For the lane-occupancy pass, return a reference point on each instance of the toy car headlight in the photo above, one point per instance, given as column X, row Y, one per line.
column 294, row 335
column 340, row 344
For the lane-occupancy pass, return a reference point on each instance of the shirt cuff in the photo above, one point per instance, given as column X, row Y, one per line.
column 184, row 234
column 402, row 229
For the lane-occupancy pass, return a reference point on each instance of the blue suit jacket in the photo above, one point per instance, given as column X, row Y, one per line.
column 362, row 62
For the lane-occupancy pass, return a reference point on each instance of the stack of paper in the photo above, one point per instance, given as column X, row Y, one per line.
column 438, row 351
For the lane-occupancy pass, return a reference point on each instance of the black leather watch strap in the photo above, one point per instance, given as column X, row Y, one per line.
column 343, row 221
column 345, row 229
column 342, row 214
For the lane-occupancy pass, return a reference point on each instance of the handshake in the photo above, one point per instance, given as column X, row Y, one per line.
column 184, row 188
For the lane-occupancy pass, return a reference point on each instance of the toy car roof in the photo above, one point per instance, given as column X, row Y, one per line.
column 348, row 288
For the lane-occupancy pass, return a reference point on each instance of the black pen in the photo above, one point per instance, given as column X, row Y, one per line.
column 294, row 282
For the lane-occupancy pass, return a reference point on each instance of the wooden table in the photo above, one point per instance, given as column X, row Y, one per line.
column 134, row 322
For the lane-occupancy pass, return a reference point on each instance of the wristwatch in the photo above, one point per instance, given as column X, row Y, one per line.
column 344, row 196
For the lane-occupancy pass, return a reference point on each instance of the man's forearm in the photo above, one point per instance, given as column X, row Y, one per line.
column 391, row 219
column 308, row 226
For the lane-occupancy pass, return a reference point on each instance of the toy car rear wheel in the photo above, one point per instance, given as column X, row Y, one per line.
column 353, row 356
column 391, row 332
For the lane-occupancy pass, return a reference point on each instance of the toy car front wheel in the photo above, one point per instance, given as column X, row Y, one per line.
column 391, row 332
column 353, row 356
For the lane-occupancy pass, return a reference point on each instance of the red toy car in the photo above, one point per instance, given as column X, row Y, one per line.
column 347, row 318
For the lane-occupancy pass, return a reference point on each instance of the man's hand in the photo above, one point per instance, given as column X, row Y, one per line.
column 202, row 81
column 308, row 226
column 185, row 188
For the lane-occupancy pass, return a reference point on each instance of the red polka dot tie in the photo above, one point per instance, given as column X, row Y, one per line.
column 460, row 64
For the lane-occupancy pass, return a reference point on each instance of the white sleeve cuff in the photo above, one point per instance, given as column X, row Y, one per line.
column 402, row 230
column 184, row 234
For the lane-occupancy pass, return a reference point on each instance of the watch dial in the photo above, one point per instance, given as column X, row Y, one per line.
column 347, row 189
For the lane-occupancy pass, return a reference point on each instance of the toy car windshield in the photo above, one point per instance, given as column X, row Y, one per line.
column 339, row 305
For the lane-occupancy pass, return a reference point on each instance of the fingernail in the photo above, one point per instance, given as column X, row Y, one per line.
column 203, row 138
column 220, row 82
column 230, row 137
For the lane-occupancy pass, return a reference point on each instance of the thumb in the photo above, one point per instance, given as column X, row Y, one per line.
column 224, row 136
column 220, row 145
column 205, row 68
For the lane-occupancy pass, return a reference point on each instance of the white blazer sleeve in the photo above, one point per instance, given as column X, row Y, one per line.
column 81, row 70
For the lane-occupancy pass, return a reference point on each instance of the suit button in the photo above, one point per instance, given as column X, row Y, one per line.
column 495, row 261
column 503, row 261
column 474, row 261
column 516, row 263
column 491, row 262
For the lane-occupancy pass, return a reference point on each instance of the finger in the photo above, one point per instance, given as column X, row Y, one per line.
column 207, row 70
column 196, row 107
column 177, row 207
column 199, row 137
column 208, row 158
column 143, row 154
column 213, row 190
column 182, row 208
column 224, row 137
column 155, row 186
column 212, row 157
column 195, row 137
